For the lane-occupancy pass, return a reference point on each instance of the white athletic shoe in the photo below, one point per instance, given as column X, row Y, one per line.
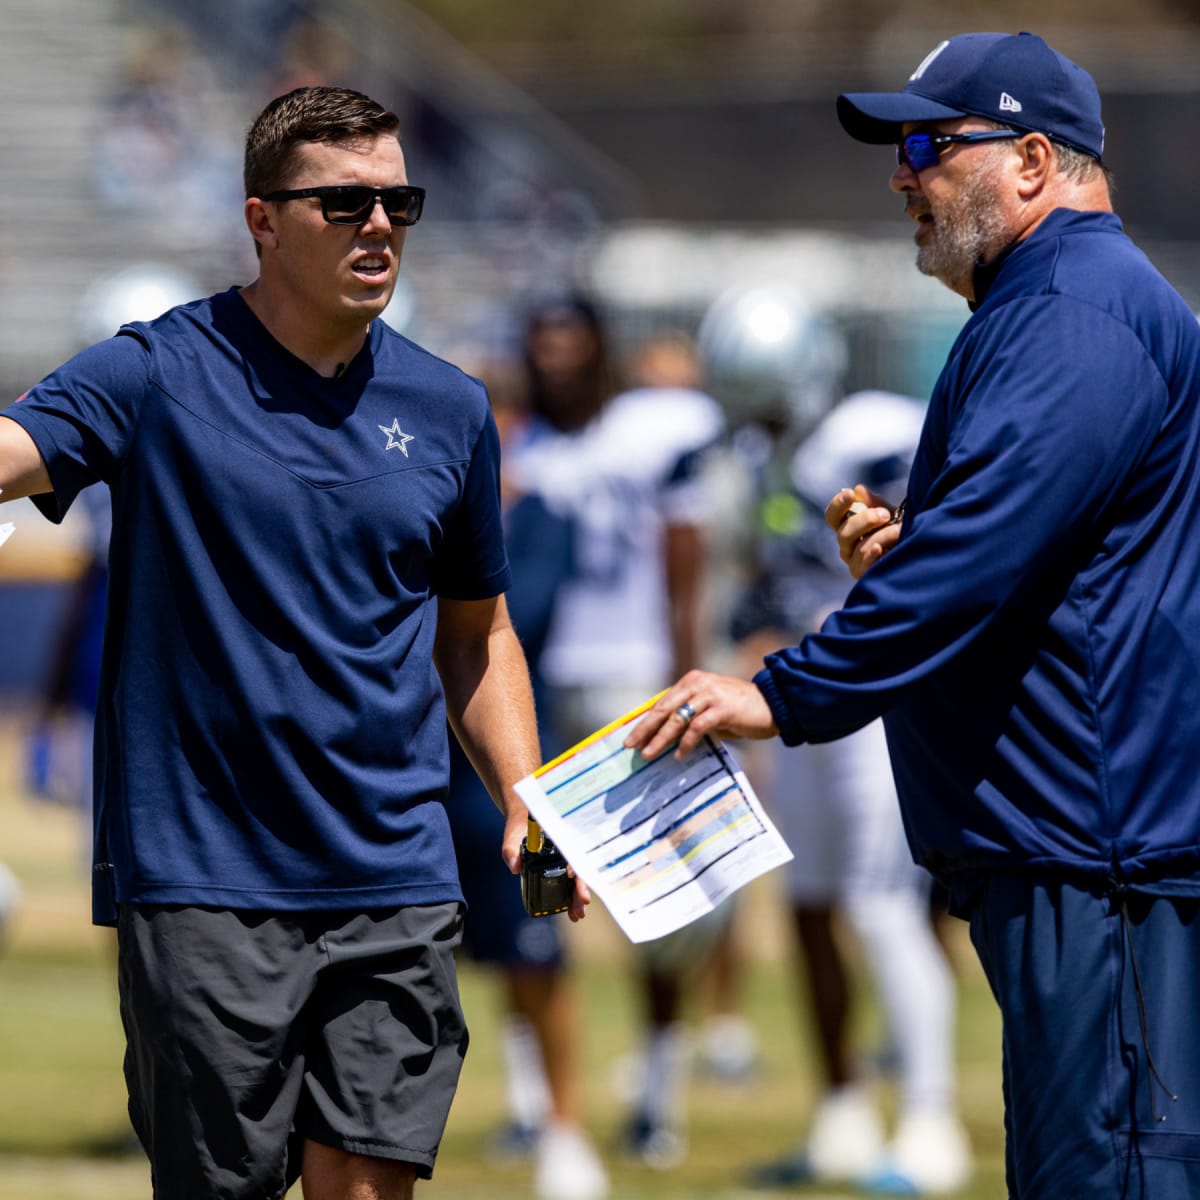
column 566, row 1165
column 929, row 1156
column 661, row 1145
column 846, row 1136
column 728, row 1048
column 512, row 1143
column 844, row 1144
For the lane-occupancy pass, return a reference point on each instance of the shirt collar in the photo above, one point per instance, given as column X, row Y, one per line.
column 985, row 274
column 1060, row 219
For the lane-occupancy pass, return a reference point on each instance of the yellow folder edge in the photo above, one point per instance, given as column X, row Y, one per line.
column 595, row 737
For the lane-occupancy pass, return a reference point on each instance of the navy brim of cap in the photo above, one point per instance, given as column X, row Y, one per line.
column 876, row 117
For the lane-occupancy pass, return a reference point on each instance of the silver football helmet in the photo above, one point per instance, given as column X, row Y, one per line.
column 139, row 292
column 770, row 358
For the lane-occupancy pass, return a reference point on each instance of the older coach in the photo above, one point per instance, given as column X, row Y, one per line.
column 1030, row 631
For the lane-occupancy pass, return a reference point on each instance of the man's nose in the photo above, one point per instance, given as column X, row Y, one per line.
column 378, row 218
column 903, row 178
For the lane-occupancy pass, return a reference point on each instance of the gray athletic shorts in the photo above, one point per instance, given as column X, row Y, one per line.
column 249, row 1032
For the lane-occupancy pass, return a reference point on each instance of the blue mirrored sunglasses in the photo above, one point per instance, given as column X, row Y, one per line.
column 921, row 150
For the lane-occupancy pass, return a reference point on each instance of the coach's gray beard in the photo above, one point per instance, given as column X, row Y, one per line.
column 966, row 232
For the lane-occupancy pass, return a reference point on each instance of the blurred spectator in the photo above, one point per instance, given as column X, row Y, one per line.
column 59, row 751
column 728, row 1045
column 10, row 901
column 163, row 147
column 245, row 34
column 541, row 1038
column 836, row 806
column 625, row 465
column 780, row 367
column 669, row 360
column 312, row 52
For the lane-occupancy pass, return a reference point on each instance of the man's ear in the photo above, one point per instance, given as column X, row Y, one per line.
column 261, row 223
column 1037, row 160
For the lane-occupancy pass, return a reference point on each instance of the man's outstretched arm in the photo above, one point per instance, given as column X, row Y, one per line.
column 22, row 471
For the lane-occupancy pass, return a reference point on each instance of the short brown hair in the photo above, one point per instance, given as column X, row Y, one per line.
column 307, row 114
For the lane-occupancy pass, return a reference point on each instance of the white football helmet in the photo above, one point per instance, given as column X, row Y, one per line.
column 769, row 358
column 139, row 292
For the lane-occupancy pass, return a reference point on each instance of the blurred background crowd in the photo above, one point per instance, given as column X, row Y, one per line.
column 646, row 232
column 653, row 155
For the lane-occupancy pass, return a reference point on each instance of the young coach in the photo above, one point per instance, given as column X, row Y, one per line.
column 307, row 577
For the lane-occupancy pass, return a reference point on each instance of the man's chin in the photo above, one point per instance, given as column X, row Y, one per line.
column 929, row 264
column 936, row 267
column 369, row 305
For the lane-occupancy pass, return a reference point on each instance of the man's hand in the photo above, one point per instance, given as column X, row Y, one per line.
column 865, row 527
column 716, row 704
column 515, row 826
column 581, row 899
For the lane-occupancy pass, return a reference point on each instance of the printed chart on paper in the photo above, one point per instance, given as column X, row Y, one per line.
column 660, row 842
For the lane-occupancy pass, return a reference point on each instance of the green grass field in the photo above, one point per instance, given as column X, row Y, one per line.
column 64, row 1135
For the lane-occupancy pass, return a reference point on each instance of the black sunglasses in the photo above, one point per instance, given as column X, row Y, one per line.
column 352, row 204
column 921, row 150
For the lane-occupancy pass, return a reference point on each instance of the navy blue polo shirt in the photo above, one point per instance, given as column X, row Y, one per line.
column 271, row 730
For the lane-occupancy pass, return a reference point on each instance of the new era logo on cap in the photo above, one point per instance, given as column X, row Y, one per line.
column 982, row 75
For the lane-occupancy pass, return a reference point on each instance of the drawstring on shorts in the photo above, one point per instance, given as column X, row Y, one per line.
column 1121, row 893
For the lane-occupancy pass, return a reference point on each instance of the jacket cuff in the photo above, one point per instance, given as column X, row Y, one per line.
column 789, row 731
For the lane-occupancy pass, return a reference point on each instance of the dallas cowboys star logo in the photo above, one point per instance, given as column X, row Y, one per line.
column 397, row 438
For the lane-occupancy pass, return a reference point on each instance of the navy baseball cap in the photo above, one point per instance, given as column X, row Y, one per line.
column 1012, row 78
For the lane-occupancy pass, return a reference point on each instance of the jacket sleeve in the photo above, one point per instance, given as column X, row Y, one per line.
column 1044, row 410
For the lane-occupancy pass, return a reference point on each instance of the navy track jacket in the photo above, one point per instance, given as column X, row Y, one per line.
column 1033, row 641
